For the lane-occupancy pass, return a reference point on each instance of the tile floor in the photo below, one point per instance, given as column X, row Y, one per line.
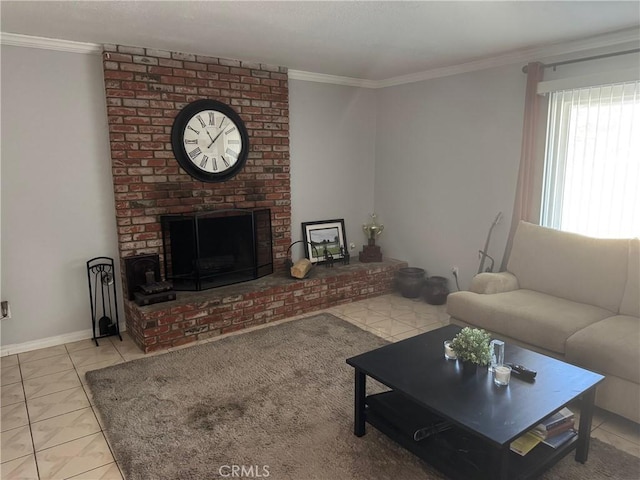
column 50, row 430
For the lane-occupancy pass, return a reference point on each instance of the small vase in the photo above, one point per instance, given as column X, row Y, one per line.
column 469, row 368
column 436, row 290
column 410, row 280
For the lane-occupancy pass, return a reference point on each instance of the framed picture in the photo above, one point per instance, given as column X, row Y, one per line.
column 325, row 235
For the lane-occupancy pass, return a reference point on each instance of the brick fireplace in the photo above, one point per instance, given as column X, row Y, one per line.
column 145, row 89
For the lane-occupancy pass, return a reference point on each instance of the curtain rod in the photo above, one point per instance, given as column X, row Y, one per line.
column 577, row 60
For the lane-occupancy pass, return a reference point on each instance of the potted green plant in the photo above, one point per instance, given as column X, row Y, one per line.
column 472, row 347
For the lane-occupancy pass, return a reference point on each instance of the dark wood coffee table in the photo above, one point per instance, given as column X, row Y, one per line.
column 486, row 418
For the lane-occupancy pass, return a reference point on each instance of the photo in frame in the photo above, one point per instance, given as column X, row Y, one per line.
column 324, row 234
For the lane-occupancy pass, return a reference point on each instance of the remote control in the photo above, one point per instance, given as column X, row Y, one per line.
column 522, row 372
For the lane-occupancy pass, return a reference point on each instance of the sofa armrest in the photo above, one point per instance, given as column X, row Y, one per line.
column 494, row 283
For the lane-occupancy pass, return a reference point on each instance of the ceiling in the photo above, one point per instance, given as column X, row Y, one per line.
column 365, row 40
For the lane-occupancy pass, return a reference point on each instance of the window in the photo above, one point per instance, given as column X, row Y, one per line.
column 591, row 180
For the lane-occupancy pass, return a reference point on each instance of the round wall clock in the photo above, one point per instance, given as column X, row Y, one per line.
column 210, row 140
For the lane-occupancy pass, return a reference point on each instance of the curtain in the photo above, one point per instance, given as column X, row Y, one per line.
column 526, row 202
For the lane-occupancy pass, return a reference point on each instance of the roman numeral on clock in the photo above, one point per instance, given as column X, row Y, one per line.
column 226, row 164
column 193, row 129
column 191, row 142
column 231, row 153
column 211, row 120
column 232, row 129
column 194, row 153
column 201, row 121
column 215, row 164
column 204, row 161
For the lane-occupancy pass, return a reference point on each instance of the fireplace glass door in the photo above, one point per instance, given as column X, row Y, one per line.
column 211, row 249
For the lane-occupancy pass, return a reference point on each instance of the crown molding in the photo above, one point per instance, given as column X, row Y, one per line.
column 333, row 79
column 518, row 56
column 475, row 65
column 16, row 40
column 599, row 41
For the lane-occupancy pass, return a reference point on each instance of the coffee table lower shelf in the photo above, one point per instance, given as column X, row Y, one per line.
column 460, row 455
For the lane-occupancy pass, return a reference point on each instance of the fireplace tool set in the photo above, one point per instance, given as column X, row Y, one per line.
column 103, row 298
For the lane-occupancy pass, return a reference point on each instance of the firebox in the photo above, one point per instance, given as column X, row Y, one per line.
column 210, row 249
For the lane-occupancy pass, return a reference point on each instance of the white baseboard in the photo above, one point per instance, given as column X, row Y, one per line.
column 49, row 341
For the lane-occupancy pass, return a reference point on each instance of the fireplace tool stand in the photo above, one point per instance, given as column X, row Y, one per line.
column 103, row 298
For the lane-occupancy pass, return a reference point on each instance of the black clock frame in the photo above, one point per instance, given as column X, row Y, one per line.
column 182, row 156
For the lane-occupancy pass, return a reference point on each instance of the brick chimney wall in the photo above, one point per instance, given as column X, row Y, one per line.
column 145, row 90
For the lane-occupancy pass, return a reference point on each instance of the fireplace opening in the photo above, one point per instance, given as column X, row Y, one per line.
column 212, row 249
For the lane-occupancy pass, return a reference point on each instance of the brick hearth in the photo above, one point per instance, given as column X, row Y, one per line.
column 200, row 315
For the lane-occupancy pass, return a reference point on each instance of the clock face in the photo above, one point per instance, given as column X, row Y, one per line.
column 210, row 140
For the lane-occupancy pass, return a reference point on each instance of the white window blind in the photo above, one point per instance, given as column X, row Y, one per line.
column 592, row 167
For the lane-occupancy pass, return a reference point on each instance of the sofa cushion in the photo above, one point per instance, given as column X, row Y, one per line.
column 494, row 283
column 610, row 346
column 531, row 317
column 582, row 269
column 631, row 300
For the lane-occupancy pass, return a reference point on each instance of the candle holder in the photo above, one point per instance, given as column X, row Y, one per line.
column 449, row 353
column 497, row 354
column 502, row 375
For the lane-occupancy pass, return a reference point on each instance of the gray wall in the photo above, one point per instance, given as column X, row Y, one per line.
column 447, row 156
column 332, row 135
column 57, row 195
column 436, row 160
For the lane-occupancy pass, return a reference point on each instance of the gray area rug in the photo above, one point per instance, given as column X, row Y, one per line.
column 278, row 402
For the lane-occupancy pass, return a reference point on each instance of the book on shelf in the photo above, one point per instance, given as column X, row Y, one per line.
column 563, row 416
column 525, row 443
column 568, row 424
column 554, row 431
column 560, row 439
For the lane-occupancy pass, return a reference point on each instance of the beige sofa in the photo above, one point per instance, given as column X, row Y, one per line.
column 572, row 297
